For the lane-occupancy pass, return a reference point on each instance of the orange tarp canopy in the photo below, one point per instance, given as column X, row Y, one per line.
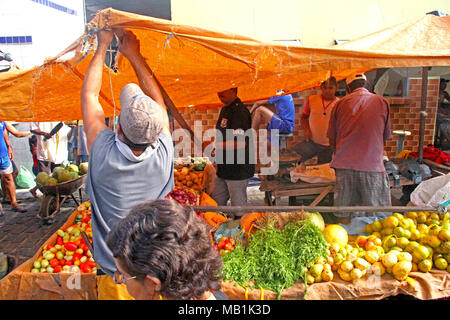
column 193, row 64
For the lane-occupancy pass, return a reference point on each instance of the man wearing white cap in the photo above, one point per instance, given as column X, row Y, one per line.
column 133, row 165
column 358, row 128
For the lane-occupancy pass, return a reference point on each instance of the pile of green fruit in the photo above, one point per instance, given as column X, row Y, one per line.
column 62, row 174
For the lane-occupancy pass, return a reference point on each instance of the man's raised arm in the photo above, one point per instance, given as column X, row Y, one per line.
column 129, row 46
column 93, row 115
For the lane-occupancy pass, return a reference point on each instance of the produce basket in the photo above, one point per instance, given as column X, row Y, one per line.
column 22, row 284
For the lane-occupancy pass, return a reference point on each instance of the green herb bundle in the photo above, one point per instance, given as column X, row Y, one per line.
column 275, row 259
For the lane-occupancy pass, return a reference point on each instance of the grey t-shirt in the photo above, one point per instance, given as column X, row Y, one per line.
column 115, row 185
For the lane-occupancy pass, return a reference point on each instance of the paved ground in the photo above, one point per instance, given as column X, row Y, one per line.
column 21, row 234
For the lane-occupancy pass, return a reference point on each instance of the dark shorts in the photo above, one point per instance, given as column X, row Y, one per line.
column 310, row 149
column 35, row 170
column 282, row 125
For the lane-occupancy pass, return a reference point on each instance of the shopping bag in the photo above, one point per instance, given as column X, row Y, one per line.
column 25, row 178
column 432, row 192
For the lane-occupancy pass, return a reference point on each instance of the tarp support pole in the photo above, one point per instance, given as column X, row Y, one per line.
column 423, row 114
column 175, row 113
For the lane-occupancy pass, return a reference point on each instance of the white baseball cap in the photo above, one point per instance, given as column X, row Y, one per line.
column 357, row 76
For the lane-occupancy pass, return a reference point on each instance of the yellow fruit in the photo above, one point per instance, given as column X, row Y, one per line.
column 320, row 260
column 389, row 260
column 421, row 253
column 445, row 247
column 423, row 228
column 434, row 230
column 407, row 234
column 349, row 248
column 369, row 229
column 372, row 256
column 415, row 235
column 335, row 234
column 362, row 264
column 421, row 217
column 327, row 275
column 434, row 216
column 411, row 246
column 389, row 269
column 432, row 241
column 398, row 215
column 414, row 268
column 377, row 234
column 401, row 270
column 378, row 269
column 346, row 266
column 316, row 270
column 338, row 258
column 404, row 256
column 399, row 232
column 389, row 242
column 387, row 231
column 351, row 257
column 318, row 278
column 309, row 279
column 334, row 248
column 444, row 235
column 411, row 215
column 441, row 264
column 344, row 275
column 356, row 274
column 377, row 226
column 402, row 242
column 390, row 222
column 326, row 267
column 379, row 250
column 425, row 265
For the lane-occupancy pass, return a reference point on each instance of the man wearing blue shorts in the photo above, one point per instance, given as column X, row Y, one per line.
column 283, row 120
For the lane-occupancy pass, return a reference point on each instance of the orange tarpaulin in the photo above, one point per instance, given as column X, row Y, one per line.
column 193, row 64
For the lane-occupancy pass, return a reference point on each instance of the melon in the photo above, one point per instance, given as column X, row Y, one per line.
column 334, row 233
column 42, row 178
column 316, row 218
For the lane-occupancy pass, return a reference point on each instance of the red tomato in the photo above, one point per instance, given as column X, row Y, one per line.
column 59, row 241
column 69, row 262
column 70, row 246
column 91, row 264
column 57, row 269
column 77, row 256
column 54, row 262
column 62, row 262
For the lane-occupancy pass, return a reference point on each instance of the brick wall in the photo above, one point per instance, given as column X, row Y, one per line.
column 405, row 115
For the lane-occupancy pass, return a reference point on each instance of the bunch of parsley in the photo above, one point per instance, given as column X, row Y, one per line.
column 275, row 259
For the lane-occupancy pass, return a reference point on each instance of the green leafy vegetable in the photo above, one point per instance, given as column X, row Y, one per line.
column 275, row 259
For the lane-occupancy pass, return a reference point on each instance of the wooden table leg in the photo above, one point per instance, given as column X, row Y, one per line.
column 321, row 196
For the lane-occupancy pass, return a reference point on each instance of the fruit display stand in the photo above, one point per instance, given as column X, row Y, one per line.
column 22, row 284
column 433, row 284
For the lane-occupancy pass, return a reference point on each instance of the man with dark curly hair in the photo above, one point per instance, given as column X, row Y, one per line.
column 162, row 250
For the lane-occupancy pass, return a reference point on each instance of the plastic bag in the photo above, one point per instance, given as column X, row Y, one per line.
column 322, row 173
column 432, row 192
column 25, row 178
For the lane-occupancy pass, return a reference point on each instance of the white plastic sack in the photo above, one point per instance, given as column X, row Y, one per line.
column 322, row 173
column 432, row 192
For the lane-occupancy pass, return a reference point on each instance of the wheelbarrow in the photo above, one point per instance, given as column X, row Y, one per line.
column 56, row 195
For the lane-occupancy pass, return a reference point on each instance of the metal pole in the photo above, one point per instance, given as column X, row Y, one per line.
column 308, row 208
column 423, row 113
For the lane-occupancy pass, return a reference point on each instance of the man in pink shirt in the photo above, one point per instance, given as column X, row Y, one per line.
column 358, row 128
column 315, row 118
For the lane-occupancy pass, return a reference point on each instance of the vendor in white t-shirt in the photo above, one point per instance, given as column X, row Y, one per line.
column 51, row 150
column 315, row 119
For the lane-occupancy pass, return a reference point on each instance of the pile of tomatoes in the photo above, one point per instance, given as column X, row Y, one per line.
column 70, row 253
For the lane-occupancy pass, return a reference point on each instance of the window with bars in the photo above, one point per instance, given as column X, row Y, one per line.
column 16, row 39
column 56, row 6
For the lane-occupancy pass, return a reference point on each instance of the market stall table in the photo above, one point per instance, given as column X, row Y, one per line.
column 275, row 189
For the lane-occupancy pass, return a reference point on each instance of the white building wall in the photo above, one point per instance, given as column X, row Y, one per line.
column 52, row 30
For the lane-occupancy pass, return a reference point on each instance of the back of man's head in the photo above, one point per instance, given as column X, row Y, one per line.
column 140, row 117
column 356, row 81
